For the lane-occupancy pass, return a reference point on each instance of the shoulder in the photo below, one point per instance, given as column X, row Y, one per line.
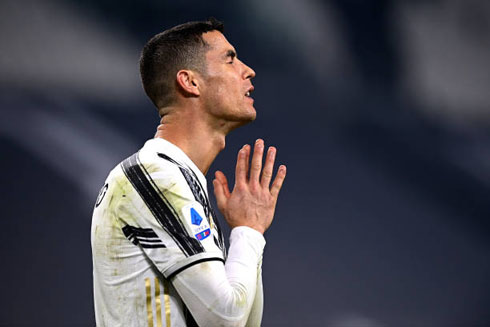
column 158, row 167
column 152, row 171
column 142, row 169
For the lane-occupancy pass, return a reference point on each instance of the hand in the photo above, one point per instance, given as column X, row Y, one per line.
column 253, row 201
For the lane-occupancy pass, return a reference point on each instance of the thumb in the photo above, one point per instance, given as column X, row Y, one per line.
column 223, row 181
column 219, row 194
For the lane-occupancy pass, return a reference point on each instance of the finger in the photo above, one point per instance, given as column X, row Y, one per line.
column 277, row 184
column 256, row 165
column 247, row 159
column 268, row 167
column 224, row 182
column 219, row 194
column 241, row 166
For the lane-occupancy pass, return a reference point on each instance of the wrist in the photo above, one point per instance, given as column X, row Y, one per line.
column 252, row 235
column 257, row 229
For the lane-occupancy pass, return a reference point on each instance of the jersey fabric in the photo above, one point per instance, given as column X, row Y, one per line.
column 152, row 220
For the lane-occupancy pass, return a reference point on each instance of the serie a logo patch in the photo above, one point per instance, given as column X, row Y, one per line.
column 199, row 225
column 196, row 219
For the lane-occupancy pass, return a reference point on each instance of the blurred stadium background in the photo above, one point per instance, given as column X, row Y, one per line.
column 380, row 109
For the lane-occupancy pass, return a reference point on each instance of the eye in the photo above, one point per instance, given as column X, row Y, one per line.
column 231, row 55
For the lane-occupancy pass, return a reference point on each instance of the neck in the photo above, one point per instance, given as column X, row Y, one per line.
column 200, row 140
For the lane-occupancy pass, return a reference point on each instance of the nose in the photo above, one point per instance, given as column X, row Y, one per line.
column 248, row 72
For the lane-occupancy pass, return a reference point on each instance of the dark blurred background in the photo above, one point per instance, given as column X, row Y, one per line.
column 380, row 110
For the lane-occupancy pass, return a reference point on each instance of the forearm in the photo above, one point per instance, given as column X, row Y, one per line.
column 223, row 296
column 255, row 316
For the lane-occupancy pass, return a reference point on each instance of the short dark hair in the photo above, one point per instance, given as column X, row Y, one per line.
column 180, row 47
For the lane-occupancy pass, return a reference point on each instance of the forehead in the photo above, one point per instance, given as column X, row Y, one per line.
column 218, row 44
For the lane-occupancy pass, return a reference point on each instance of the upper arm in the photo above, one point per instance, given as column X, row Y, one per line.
column 179, row 233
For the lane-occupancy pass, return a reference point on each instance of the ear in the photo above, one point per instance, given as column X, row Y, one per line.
column 188, row 82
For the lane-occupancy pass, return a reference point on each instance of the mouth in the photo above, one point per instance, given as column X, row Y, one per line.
column 249, row 91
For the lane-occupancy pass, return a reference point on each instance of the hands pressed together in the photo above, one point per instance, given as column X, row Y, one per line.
column 253, row 200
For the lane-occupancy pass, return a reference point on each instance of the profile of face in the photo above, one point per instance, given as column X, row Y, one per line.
column 227, row 85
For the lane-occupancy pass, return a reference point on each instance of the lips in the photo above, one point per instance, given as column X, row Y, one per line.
column 249, row 91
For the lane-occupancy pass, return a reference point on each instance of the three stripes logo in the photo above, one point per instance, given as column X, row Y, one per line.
column 146, row 237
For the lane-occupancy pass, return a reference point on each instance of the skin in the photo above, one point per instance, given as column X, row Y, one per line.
column 209, row 106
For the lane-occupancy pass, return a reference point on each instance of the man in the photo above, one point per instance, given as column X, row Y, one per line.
column 158, row 252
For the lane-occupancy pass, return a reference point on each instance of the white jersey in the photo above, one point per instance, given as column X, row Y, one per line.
column 152, row 220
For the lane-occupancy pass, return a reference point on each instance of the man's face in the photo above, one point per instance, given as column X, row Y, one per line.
column 227, row 84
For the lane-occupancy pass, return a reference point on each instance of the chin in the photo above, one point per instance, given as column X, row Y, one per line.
column 252, row 115
column 245, row 116
column 243, row 120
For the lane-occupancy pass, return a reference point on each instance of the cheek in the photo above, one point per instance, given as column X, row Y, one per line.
column 223, row 90
column 217, row 95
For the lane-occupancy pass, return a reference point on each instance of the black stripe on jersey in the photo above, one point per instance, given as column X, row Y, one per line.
column 144, row 232
column 201, row 196
column 148, row 240
column 193, row 182
column 164, row 156
column 194, row 263
column 198, row 248
column 152, row 246
column 189, row 319
column 159, row 206
column 145, row 237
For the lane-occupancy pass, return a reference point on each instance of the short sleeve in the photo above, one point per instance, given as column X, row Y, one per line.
column 160, row 215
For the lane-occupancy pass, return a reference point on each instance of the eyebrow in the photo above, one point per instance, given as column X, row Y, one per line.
column 230, row 53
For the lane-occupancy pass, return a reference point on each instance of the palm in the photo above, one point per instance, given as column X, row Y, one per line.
column 253, row 200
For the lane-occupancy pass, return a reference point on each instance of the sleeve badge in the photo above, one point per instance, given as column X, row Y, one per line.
column 194, row 215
